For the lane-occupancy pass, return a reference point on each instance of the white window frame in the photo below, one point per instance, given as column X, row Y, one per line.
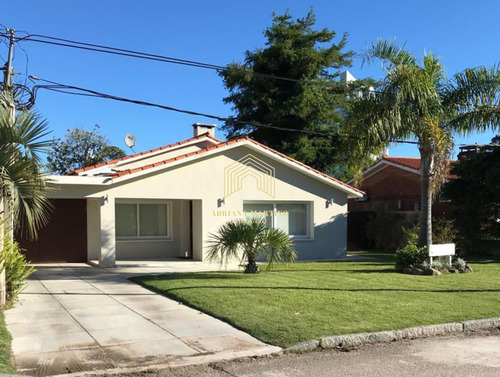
column 138, row 237
column 309, row 223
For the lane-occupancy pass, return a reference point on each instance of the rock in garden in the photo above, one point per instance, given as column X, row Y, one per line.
column 407, row 270
column 416, row 271
column 427, row 271
column 436, row 272
column 467, row 268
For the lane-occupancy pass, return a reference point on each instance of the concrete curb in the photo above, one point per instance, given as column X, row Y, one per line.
column 353, row 341
column 178, row 362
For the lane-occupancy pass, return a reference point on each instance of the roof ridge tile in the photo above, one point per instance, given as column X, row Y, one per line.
column 143, row 153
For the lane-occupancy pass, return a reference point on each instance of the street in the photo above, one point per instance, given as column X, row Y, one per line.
column 441, row 356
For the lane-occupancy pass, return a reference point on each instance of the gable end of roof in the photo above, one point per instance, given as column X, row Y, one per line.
column 356, row 192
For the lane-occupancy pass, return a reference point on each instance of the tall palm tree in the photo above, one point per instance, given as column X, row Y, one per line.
column 416, row 100
column 251, row 239
column 22, row 140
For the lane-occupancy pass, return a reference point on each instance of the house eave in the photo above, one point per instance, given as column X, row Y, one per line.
column 77, row 180
column 381, row 164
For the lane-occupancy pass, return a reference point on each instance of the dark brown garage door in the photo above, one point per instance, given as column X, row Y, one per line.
column 64, row 238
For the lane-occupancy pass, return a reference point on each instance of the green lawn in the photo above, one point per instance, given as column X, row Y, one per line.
column 5, row 339
column 303, row 301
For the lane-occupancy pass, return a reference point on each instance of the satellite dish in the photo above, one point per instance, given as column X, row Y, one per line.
column 130, row 141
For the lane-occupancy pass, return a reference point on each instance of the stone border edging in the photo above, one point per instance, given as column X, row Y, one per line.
column 352, row 341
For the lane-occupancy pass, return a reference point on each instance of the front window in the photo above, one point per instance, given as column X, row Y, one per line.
column 292, row 218
column 142, row 220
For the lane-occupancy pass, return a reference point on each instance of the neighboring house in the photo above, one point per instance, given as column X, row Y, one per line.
column 392, row 184
column 164, row 203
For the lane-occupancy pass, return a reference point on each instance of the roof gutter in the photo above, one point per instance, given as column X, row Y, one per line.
column 77, row 180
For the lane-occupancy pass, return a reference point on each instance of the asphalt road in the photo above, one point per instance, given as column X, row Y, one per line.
column 461, row 355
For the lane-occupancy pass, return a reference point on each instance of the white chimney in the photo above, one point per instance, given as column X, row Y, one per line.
column 203, row 128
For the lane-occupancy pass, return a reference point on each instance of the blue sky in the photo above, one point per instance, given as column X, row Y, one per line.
column 219, row 31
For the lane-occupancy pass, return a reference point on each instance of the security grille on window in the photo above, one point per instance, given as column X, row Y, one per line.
column 292, row 218
column 142, row 220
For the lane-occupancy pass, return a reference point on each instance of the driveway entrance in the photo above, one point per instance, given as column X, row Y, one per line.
column 73, row 318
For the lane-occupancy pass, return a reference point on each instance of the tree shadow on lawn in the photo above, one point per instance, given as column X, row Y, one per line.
column 370, row 262
column 211, row 275
column 364, row 271
column 483, row 260
column 166, row 291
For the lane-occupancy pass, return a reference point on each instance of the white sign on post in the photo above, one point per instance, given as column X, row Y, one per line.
column 442, row 250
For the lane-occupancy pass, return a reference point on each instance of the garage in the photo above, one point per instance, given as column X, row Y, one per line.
column 64, row 238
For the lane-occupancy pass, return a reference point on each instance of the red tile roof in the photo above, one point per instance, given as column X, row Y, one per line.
column 409, row 162
column 87, row 168
column 414, row 163
column 223, row 144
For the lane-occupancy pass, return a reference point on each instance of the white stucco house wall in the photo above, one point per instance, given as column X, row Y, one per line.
column 165, row 203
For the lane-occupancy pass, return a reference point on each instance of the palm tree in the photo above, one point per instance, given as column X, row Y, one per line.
column 251, row 239
column 415, row 100
column 22, row 187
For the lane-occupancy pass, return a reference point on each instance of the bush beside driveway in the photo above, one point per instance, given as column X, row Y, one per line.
column 304, row 301
column 5, row 341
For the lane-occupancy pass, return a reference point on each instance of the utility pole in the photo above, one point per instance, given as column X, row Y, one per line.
column 5, row 219
column 7, row 76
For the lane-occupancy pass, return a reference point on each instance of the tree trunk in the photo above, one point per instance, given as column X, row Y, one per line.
column 426, row 169
column 251, row 267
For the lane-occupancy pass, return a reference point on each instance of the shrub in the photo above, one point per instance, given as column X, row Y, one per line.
column 411, row 256
column 444, row 231
column 385, row 230
column 16, row 269
column 438, row 265
column 459, row 264
column 411, row 233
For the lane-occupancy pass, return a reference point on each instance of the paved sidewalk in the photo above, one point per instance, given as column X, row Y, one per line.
column 74, row 318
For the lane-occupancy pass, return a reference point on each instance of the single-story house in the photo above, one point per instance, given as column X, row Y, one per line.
column 165, row 203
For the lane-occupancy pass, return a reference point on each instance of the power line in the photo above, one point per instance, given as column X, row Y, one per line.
column 70, row 89
column 57, row 87
column 148, row 56
column 27, row 63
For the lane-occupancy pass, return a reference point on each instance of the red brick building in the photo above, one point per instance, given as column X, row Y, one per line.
column 392, row 184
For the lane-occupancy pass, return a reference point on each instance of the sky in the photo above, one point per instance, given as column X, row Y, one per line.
column 464, row 33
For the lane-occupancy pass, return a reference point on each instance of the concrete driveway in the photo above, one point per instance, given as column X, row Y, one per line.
column 75, row 318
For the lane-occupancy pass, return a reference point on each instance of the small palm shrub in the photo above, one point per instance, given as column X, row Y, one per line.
column 16, row 269
column 411, row 256
column 249, row 240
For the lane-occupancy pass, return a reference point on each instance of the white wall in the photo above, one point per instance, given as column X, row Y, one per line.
column 93, row 229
